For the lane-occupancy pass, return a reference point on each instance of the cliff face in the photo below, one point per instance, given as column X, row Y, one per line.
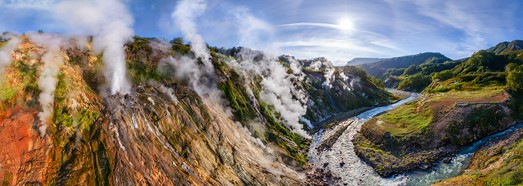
column 163, row 132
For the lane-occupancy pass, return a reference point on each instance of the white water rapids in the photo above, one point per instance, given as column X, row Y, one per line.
column 343, row 162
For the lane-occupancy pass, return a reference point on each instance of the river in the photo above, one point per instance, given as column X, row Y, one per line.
column 343, row 162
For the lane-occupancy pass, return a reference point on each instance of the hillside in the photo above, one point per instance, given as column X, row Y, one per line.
column 379, row 68
column 422, row 132
column 507, row 47
column 477, row 97
column 496, row 163
column 235, row 118
column 361, row 61
column 418, row 77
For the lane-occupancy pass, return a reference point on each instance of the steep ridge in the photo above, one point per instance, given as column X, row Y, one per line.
column 164, row 131
column 361, row 61
column 379, row 68
column 506, row 47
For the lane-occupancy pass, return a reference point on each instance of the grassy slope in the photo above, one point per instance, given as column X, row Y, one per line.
column 379, row 68
column 414, row 117
column 422, row 131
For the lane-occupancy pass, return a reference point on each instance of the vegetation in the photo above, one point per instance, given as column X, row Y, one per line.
column 505, row 47
column 498, row 164
column 415, row 83
column 406, row 120
column 515, row 79
column 380, row 68
column 421, row 132
column 141, row 64
column 246, row 112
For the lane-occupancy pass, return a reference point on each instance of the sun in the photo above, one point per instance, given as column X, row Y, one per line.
column 345, row 24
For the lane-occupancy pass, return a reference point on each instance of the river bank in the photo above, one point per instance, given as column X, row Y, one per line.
column 333, row 156
column 420, row 133
column 336, row 163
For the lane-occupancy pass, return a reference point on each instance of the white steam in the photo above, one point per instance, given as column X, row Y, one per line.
column 185, row 16
column 329, row 77
column 48, row 76
column 110, row 22
column 278, row 88
column 6, row 50
column 201, row 79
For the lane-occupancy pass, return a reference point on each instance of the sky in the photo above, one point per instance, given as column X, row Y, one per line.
column 336, row 29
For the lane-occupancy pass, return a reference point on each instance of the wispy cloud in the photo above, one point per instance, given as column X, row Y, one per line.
column 306, row 24
column 377, row 28
column 456, row 28
column 253, row 31
column 28, row 4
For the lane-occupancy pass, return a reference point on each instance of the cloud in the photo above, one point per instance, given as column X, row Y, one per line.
column 455, row 28
column 29, row 4
column 306, row 24
column 253, row 32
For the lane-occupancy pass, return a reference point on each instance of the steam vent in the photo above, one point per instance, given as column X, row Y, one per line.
column 223, row 92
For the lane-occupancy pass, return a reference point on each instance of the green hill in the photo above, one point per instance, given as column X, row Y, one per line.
column 379, row 68
column 507, row 47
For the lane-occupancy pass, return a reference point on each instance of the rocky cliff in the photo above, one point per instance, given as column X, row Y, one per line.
column 178, row 125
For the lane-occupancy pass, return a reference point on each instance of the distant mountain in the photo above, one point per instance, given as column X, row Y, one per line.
column 363, row 60
column 507, row 47
column 377, row 69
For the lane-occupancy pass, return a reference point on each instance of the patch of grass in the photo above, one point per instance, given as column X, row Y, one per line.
column 8, row 176
column 29, row 84
column 470, row 82
column 141, row 72
column 7, row 91
column 480, row 94
column 239, row 101
column 405, row 120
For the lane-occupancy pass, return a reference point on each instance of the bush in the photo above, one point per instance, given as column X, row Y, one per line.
column 443, row 75
column 415, row 83
column 515, row 80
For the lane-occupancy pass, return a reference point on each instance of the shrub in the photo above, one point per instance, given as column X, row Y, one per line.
column 515, row 80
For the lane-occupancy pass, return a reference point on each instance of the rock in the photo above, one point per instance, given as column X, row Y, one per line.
column 424, row 167
column 342, row 164
column 446, row 160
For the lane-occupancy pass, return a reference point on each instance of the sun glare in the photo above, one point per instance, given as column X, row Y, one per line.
column 345, row 24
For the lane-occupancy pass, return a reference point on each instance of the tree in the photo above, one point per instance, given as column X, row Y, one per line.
column 510, row 67
column 443, row 75
column 515, row 80
column 412, row 69
column 415, row 83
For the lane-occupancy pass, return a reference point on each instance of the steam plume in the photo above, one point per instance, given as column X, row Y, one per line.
column 5, row 51
column 111, row 24
column 47, row 79
column 185, row 16
column 278, row 88
column 201, row 79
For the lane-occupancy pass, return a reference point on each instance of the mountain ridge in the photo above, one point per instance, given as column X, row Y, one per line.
column 364, row 60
